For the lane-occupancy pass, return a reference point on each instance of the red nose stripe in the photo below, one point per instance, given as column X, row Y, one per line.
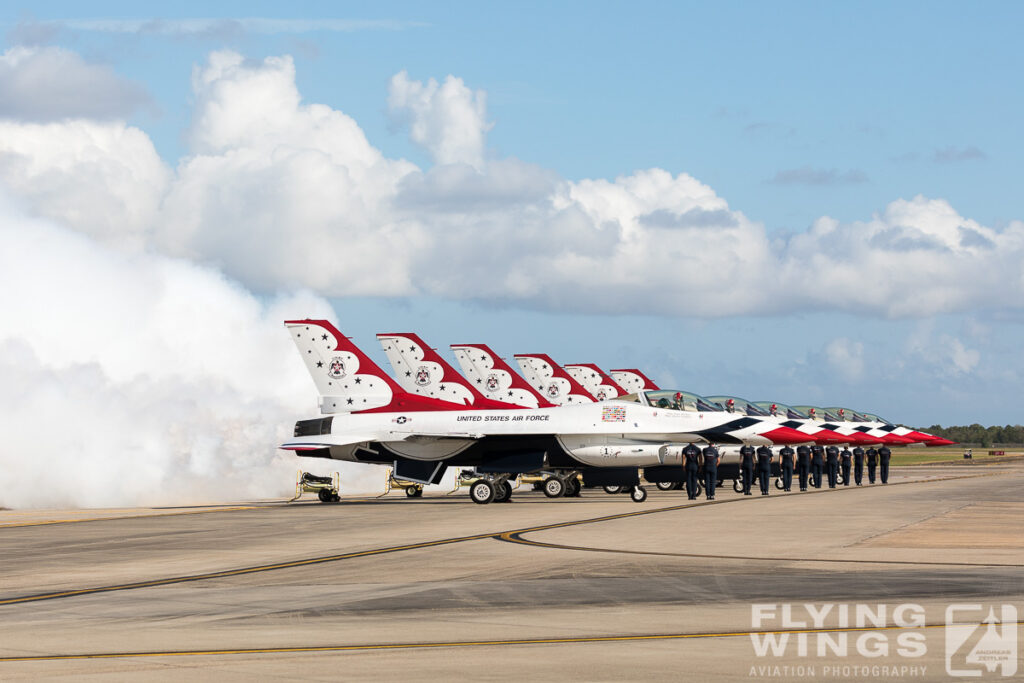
column 785, row 435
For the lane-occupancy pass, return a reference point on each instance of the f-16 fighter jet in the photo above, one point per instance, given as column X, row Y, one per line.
column 822, row 417
column 872, row 425
column 369, row 418
column 785, row 416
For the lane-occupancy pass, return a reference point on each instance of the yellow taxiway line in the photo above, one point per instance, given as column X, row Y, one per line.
column 474, row 643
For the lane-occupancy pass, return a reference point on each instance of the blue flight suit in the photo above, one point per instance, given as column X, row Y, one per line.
column 747, row 467
column 817, row 465
column 803, row 465
column 786, row 465
column 691, row 463
column 872, row 459
column 858, row 464
column 883, row 463
column 845, row 465
column 832, row 463
column 764, row 468
column 710, row 470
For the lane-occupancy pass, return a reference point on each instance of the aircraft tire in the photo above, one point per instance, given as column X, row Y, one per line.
column 612, row 490
column 778, row 483
column 572, row 487
column 700, row 489
column 324, row 495
column 638, row 494
column 666, row 485
column 737, row 486
column 554, row 487
column 481, row 491
column 503, row 492
column 414, row 492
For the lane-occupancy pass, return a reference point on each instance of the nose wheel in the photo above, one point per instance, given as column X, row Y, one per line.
column 638, row 494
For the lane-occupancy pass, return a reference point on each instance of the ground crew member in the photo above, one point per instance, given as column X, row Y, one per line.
column 710, row 470
column 691, row 464
column 764, row 467
column 786, row 465
column 832, row 463
column 746, row 467
column 803, row 464
column 817, row 465
column 883, row 463
column 844, row 464
column 858, row 464
column 872, row 459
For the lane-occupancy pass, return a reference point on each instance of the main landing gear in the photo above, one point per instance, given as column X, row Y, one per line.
column 486, row 490
column 568, row 486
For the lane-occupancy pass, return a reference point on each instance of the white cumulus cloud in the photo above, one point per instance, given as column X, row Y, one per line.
column 280, row 193
column 846, row 358
column 448, row 119
column 51, row 83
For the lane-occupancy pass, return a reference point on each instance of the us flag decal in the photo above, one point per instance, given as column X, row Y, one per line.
column 613, row 413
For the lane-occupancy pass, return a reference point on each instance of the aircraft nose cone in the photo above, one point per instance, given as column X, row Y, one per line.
column 919, row 437
column 785, row 435
column 939, row 441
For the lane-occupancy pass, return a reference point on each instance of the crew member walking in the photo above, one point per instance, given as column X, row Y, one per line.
column 746, row 467
column 872, row 459
column 803, row 464
column 844, row 464
column 691, row 463
column 858, row 464
column 786, row 465
column 817, row 463
column 764, row 468
column 832, row 461
column 883, row 463
column 710, row 470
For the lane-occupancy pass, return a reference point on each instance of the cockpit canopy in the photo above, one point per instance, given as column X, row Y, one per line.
column 735, row 404
column 837, row 414
column 871, row 417
column 782, row 410
column 812, row 412
column 674, row 400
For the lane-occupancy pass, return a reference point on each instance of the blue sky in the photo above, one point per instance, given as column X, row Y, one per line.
column 788, row 112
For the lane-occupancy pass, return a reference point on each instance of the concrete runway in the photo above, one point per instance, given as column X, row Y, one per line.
column 596, row 588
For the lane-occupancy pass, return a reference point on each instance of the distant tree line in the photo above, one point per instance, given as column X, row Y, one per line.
column 975, row 434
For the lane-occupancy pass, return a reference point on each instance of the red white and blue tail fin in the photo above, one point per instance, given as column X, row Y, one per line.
column 552, row 380
column 595, row 380
column 633, row 381
column 347, row 380
column 489, row 373
column 420, row 370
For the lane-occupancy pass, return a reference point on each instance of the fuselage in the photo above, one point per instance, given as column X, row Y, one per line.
column 612, row 433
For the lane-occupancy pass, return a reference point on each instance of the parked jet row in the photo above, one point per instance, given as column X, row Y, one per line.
column 566, row 423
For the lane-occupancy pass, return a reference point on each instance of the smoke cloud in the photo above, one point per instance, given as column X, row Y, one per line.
column 139, row 379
